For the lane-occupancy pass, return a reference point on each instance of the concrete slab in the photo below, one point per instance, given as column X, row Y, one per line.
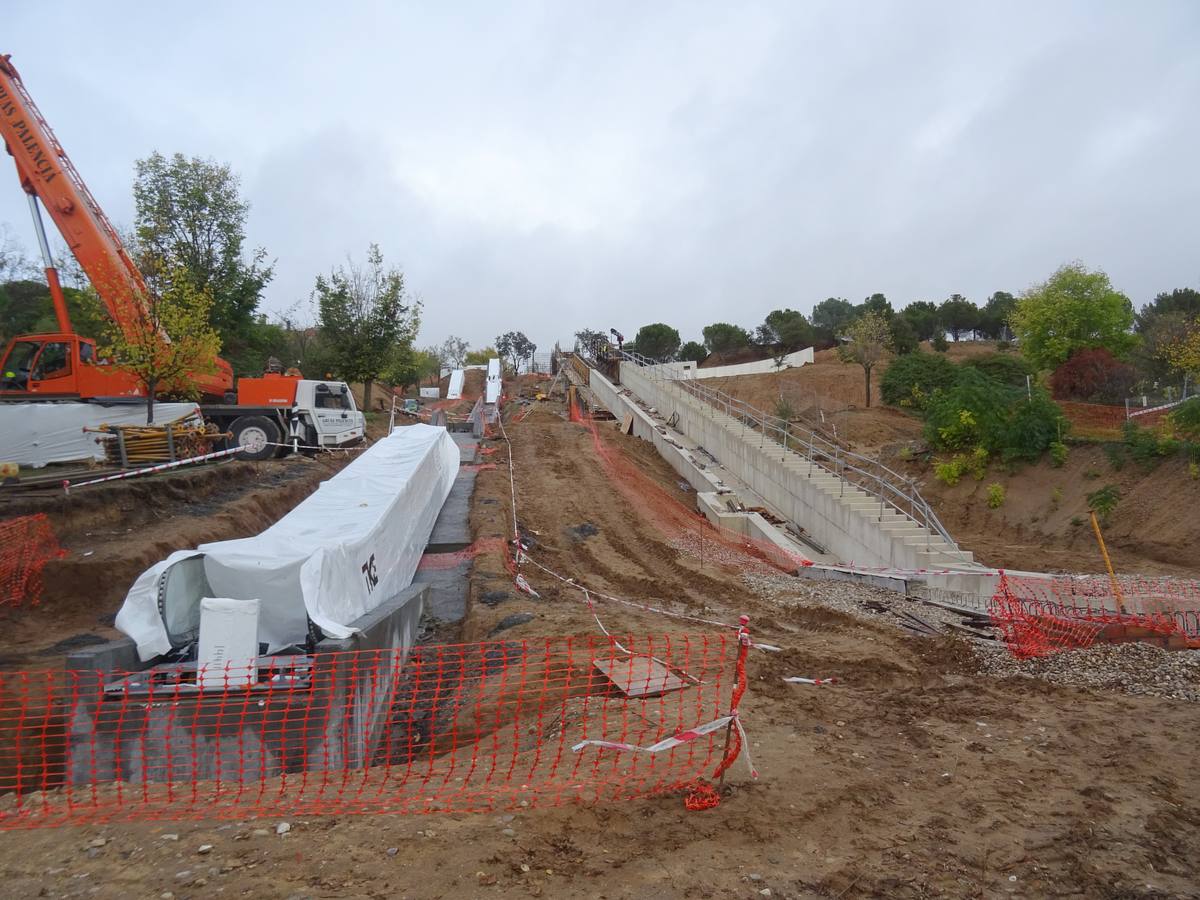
column 447, row 599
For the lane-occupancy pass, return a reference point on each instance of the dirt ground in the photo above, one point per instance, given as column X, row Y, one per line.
column 911, row 777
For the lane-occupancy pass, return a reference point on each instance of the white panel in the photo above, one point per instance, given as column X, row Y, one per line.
column 455, row 389
column 493, row 382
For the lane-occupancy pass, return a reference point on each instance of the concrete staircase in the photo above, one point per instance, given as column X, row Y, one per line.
column 846, row 518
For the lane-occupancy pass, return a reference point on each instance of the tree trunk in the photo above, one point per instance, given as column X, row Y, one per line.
column 151, row 385
column 867, row 370
column 366, row 395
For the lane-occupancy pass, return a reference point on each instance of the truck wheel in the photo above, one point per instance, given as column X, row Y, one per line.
column 255, row 435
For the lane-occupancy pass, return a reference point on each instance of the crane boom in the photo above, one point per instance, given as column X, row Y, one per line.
column 47, row 175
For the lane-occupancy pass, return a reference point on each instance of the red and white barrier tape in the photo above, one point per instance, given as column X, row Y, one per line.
column 796, row 679
column 149, row 470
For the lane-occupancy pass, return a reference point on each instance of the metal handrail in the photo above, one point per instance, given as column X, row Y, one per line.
column 890, row 487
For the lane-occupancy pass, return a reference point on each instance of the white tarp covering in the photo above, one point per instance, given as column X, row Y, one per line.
column 493, row 382
column 430, row 393
column 350, row 546
column 455, row 389
column 34, row 434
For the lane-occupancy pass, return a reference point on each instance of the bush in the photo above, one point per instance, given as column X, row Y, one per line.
column 978, row 463
column 1007, row 368
column 1058, row 454
column 1145, row 446
column 1094, row 375
column 980, row 411
column 949, row 471
column 1185, row 419
column 911, row 379
column 1103, row 501
column 995, row 496
column 939, row 343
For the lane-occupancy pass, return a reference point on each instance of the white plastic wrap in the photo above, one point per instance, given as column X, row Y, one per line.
column 455, row 388
column 35, row 434
column 350, row 546
column 492, row 388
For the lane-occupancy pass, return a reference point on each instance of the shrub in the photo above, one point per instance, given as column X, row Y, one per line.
column 995, row 495
column 1145, row 446
column 1007, row 368
column 1076, row 521
column 1056, row 497
column 949, row 471
column 911, row 379
column 1194, row 470
column 1058, row 454
column 1116, row 456
column 1103, row 500
column 978, row 463
column 939, row 343
column 980, row 411
column 1185, row 419
column 1094, row 375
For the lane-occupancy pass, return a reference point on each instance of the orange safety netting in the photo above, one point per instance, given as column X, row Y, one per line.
column 687, row 529
column 1042, row 615
column 468, row 727
column 27, row 543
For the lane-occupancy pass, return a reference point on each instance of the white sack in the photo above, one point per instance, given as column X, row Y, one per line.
column 316, row 562
column 34, row 434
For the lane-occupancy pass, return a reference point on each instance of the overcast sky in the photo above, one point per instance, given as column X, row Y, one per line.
column 551, row 166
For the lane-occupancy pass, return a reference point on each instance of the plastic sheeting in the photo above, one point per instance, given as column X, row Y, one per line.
column 492, row 388
column 35, row 434
column 343, row 551
column 455, row 388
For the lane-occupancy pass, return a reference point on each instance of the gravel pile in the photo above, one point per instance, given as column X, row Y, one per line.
column 1132, row 668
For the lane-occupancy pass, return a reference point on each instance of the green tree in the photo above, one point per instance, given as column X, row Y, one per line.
column 993, row 318
column 869, row 340
column 721, row 337
column 832, row 315
column 875, row 303
column 481, row 357
column 454, row 351
column 591, row 341
column 171, row 341
column 190, row 220
column 26, row 308
column 514, row 346
column 1181, row 300
column 364, row 313
column 904, row 336
column 657, row 341
column 786, row 330
column 922, row 315
column 1183, row 353
column 693, row 351
column 1073, row 310
column 958, row 314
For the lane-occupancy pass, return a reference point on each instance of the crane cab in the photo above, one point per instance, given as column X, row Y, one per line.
column 61, row 366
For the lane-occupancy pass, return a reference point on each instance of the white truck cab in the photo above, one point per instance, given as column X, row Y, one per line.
column 324, row 415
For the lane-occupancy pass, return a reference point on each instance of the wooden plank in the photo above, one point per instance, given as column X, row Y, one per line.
column 627, row 424
column 639, row 676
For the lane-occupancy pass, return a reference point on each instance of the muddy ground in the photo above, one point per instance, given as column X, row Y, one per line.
column 911, row 777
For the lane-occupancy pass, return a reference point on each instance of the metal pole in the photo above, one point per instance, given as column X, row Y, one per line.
column 170, row 443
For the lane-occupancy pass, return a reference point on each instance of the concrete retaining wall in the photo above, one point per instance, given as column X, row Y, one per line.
column 760, row 367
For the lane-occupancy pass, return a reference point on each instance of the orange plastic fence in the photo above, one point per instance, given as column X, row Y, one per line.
column 455, row 728
column 1042, row 615
column 687, row 529
column 27, row 543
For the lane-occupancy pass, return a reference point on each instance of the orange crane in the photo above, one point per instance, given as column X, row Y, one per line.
column 62, row 364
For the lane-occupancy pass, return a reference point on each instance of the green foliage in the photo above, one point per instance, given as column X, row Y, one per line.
column 693, row 351
column 995, row 495
column 26, row 308
column 979, row 411
column 190, row 222
column 876, row 303
column 1194, row 470
column 904, row 337
column 721, row 337
column 786, row 330
column 869, row 340
column 1182, row 301
column 950, row 471
column 784, row 409
column 1076, row 521
column 1185, row 419
column 657, row 341
column 910, row 380
column 833, row 315
column 180, row 312
column 958, row 315
column 993, row 318
column 1116, row 456
column 1145, row 446
column 1058, row 454
column 1056, row 496
column 1007, row 368
column 922, row 315
column 977, row 463
column 364, row 314
column 1103, row 501
column 514, row 347
column 1075, row 309
column 939, row 343
column 481, row 357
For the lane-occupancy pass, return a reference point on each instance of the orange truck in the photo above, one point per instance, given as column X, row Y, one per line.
column 262, row 413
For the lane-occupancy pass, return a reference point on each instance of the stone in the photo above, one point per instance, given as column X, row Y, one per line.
column 204, row 848
column 283, row 828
